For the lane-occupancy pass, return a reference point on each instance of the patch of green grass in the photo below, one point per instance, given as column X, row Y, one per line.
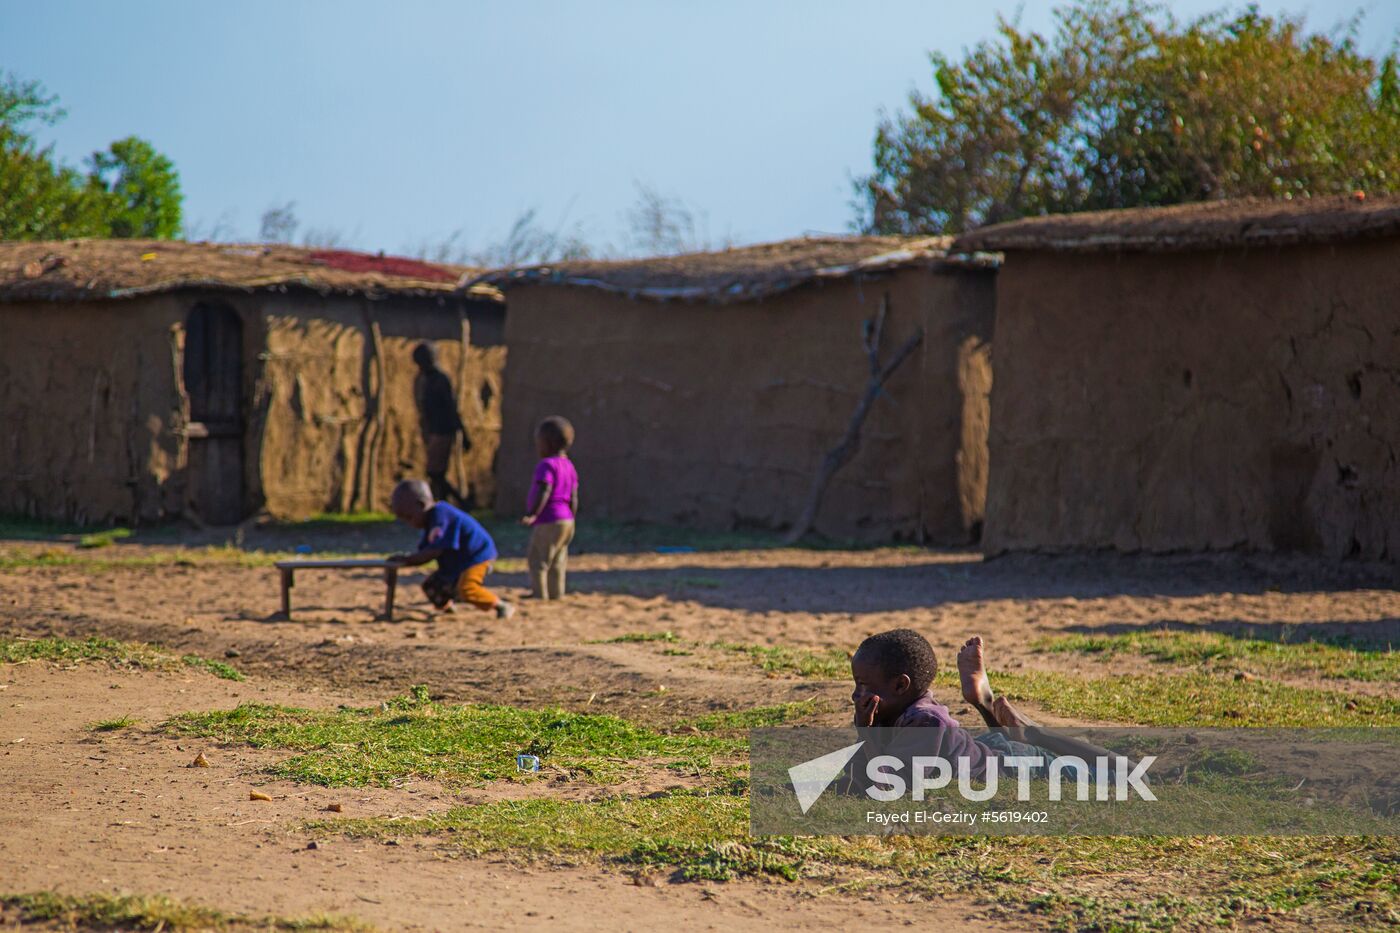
column 103, row 538
column 703, row 834
column 217, row 668
column 1173, row 646
column 220, row 556
column 759, row 717
column 1220, row 790
column 642, row 830
column 828, row 664
column 112, row 725
column 631, row 637
column 23, row 528
column 413, row 737
column 120, row 653
column 131, row 912
column 1190, row 699
column 336, row 519
column 1071, row 883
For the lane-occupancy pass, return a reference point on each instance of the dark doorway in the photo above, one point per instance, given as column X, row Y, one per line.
column 213, row 371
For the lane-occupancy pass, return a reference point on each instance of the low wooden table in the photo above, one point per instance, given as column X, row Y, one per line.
column 391, row 576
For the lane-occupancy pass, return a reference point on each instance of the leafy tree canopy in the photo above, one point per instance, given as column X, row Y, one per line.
column 130, row 190
column 1124, row 106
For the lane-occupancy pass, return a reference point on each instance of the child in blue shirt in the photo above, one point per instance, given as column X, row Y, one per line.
column 462, row 548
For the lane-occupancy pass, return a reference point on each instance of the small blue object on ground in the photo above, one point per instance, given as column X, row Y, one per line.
column 303, row 549
column 675, row 549
column 527, row 762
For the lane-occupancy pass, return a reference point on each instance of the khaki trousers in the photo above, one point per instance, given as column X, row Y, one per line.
column 548, row 557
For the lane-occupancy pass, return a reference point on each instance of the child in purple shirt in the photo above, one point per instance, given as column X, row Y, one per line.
column 892, row 673
column 551, row 507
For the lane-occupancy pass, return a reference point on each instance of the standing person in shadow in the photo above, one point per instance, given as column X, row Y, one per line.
column 440, row 423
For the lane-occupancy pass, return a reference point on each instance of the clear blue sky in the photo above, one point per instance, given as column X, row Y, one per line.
column 398, row 123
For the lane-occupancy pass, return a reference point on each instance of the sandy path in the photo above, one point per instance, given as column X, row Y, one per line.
column 122, row 813
column 808, row 598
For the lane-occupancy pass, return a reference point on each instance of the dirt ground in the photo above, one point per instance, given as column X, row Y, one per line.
column 126, row 814
column 121, row 812
column 549, row 653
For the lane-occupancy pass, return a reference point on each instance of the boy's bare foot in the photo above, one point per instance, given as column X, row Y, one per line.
column 972, row 672
column 1009, row 716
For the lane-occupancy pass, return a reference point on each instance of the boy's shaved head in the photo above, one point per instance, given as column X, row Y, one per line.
column 902, row 651
column 410, row 502
column 411, row 492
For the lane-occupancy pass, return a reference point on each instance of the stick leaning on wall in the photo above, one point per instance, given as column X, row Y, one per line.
column 845, row 451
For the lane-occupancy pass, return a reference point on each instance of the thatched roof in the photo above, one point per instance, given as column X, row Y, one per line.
column 1207, row 225
column 77, row 270
column 740, row 274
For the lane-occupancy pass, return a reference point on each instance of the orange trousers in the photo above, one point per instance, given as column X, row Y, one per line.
column 471, row 588
column 467, row 588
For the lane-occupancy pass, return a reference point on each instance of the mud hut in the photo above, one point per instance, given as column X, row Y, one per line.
column 706, row 388
column 144, row 380
column 1208, row 376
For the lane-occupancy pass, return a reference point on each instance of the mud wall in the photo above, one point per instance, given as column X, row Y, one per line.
column 334, row 421
column 1194, row 401
column 93, row 413
column 90, row 411
column 718, row 416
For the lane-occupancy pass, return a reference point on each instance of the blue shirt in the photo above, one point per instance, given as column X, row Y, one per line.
column 463, row 541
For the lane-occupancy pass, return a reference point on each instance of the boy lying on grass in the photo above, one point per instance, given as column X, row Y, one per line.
column 462, row 548
column 892, row 673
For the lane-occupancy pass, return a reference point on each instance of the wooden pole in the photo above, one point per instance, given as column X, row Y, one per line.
column 286, row 592
column 391, row 583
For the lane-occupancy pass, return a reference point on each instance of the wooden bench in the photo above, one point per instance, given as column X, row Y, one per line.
column 391, row 577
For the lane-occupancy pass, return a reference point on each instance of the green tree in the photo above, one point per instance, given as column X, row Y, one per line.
column 41, row 200
column 1124, row 106
column 130, row 190
column 24, row 102
column 142, row 189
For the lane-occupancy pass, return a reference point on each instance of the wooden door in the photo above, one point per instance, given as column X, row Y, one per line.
column 213, row 371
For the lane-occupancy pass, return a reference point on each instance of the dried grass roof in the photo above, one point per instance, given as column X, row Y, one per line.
column 77, row 270
column 739, row 274
column 1206, row 225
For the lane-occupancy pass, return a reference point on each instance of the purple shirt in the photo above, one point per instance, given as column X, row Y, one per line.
column 911, row 736
column 925, row 712
column 562, row 478
column 953, row 743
